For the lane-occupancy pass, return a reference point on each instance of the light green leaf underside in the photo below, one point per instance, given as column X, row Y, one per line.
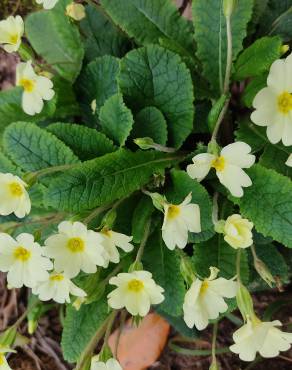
column 105, row 179
column 154, row 76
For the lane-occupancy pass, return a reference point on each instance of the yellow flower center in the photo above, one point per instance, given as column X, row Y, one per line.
column 22, row 254
column 135, row 285
column 27, row 84
column 15, row 189
column 218, row 163
column 204, row 287
column 173, row 211
column 13, row 39
column 76, row 245
column 57, row 277
column 285, row 102
column 2, row 360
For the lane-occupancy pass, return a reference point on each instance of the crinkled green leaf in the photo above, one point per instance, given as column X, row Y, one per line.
column 6, row 165
column 97, row 82
column 181, row 186
column 254, row 86
column 150, row 122
column 210, row 35
column 102, row 36
column 216, row 252
column 105, row 179
column 258, row 58
column 149, row 20
column 32, row 148
column 268, row 204
column 251, row 134
column 56, row 38
column 116, row 120
column 11, row 110
column 164, row 264
column 274, row 157
column 86, row 143
column 66, row 105
column 154, row 76
column 80, row 327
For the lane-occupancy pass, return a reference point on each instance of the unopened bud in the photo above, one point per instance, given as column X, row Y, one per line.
column 158, row 201
column 284, row 49
column 264, row 272
column 219, row 227
column 109, row 219
column 228, row 7
column 186, row 269
column 144, row 143
column 93, row 106
column 75, row 11
column 244, row 302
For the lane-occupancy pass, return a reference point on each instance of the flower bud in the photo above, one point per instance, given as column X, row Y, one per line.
column 158, row 201
column 93, row 106
column 228, row 7
column 144, row 142
column 186, row 268
column 244, row 302
column 284, row 49
column 75, row 11
column 238, row 232
column 109, row 219
column 264, row 272
column 219, row 226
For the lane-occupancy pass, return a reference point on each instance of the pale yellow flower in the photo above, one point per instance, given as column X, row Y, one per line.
column 237, row 232
column 11, row 32
column 75, row 11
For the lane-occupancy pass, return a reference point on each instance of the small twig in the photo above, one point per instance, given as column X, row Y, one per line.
column 143, row 241
column 122, row 324
column 229, row 55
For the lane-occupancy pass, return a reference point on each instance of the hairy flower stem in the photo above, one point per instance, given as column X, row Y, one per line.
column 229, row 55
column 143, row 241
column 214, row 337
column 109, row 329
column 238, row 265
column 219, row 121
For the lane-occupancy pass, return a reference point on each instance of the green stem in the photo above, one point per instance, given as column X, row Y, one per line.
column 238, row 265
column 122, row 323
column 96, row 212
column 229, row 55
column 219, row 121
column 143, row 241
column 109, row 329
column 214, row 337
column 196, row 352
column 47, row 171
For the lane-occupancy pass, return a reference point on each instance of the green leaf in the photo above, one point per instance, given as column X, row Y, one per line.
column 150, row 122
column 254, row 86
column 80, row 327
column 6, row 165
column 11, row 111
column 141, row 215
column 181, row 186
column 165, row 267
column 274, row 157
column 102, row 36
column 210, row 35
column 258, row 58
column 147, row 79
column 251, row 134
column 98, row 81
column 116, row 119
column 216, row 252
column 148, row 21
column 268, row 204
column 277, row 19
column 85, row 142
column 59, row 41
column 32, row 148
column 67, row 105
column 105, row 179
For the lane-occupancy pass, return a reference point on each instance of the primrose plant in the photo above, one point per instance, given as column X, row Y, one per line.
column 145, row 165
